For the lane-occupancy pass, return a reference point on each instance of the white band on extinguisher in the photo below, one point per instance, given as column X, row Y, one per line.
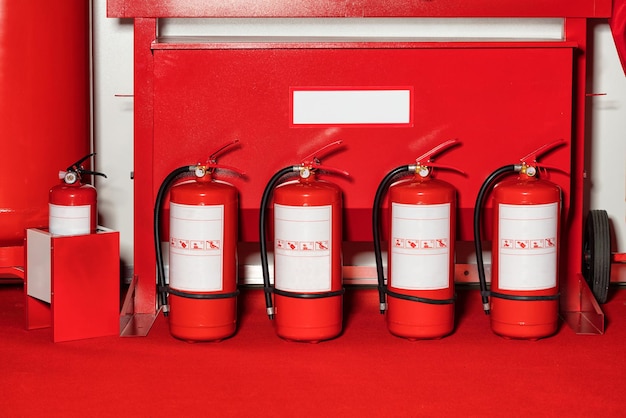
column 196, row 247
column 420, row 246
column 302, row 248
column 527, row 246
column 69, row 220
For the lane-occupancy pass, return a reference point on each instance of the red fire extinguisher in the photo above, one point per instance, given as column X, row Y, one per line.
column 419, row 297
column 524, row 294
column 202, row 253
column 308, row 286
column 73, row 208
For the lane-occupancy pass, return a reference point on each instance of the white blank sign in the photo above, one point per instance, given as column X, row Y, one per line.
column 334, row 107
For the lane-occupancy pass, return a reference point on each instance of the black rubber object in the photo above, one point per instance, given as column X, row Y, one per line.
column 597, row 254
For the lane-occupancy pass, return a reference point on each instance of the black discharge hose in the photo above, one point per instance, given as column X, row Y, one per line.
column 267, row 194
column 165, row 186
column 380, row 193
column 477, row 238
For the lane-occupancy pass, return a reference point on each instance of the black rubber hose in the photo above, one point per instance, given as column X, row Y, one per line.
column 477, row 236
column 165, row 186
column 380, row 193
column 267, row 194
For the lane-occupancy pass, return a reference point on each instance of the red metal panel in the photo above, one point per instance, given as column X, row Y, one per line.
column 483, row 96
column 359, row 8
column 85, row 286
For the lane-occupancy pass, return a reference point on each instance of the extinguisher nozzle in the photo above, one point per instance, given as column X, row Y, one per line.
column 486, row 308
column 270, row 312
column 383, row 308
column 166, row 310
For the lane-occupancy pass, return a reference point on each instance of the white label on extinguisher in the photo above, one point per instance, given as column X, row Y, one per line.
column 196, row 247
column 69, row 220
column 527, row 246
column 420, row 246
column 302, row 248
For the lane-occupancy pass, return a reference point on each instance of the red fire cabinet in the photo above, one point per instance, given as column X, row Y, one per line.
column 72, row 284
column 500, row 98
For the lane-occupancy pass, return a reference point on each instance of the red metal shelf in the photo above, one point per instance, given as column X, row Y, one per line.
column 207, row 78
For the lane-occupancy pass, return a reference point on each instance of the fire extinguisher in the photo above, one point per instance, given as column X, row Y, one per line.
column 201, row 297
column 419, row 297
column 308, row 286
column 523, row 301
column 73, row 208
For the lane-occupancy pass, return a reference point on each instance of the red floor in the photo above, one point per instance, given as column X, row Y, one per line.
column 364, row 372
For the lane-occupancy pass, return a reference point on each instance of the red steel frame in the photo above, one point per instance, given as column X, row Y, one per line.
column 578, row 305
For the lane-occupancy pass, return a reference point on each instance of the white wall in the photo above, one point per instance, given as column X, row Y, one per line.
column 113, row 123
column 608, row 134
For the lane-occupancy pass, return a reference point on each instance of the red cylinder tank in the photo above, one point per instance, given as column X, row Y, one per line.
column 44, row 107
column 524, row 278
column 307, row 261
column 421, row 258
column 73, row 209
column 203, row 260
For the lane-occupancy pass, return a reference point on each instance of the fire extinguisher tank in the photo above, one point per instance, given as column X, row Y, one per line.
column 73, row 205
column 421, row 249
column 307, row 252
column 203, row 260
column 64, row 198
column 525, row 248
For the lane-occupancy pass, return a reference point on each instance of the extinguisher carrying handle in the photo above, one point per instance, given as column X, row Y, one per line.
column 441, row 167
column 215, row 166
column 484, row 293
column 330, row 170
column 79, row 170
column 378, row 198
column 93, row 173
column 265, row 199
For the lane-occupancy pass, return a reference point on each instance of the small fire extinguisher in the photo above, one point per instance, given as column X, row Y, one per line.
column 201, row 297
column 73, row 207
column 419, row 296
column 523, row 301
column 308, row 286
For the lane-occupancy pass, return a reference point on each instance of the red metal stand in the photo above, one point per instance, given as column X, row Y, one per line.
column 500, row 98
column 72, row 284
